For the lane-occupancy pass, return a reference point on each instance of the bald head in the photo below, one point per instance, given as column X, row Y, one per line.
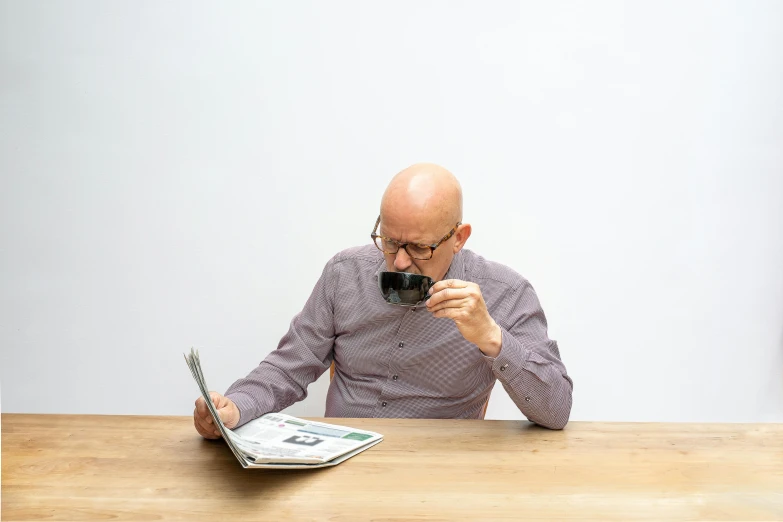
column 422, row 205
column 425, row 192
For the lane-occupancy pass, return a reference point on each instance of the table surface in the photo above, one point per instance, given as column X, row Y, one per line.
column 96, row 467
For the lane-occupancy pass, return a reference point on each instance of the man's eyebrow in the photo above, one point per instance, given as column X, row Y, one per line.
column 380, row 232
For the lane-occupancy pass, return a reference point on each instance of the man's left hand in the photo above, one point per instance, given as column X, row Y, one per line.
column 463, row 303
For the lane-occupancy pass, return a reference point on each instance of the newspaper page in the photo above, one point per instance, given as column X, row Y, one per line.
column 276, row 437
column 282, row 441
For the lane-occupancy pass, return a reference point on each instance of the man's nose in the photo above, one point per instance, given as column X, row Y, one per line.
column 402, row 260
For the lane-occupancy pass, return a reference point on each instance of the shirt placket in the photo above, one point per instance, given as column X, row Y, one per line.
column 401, row 347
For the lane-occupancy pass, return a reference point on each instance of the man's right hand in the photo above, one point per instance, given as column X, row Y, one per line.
column 202, row 419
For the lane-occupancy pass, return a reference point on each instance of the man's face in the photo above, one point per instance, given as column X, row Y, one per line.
column 407, row 230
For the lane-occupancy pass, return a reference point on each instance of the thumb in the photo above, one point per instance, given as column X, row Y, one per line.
column 218, row 400
column 229, row 414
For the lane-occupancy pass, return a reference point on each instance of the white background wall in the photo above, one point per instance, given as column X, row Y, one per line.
column 176, row 174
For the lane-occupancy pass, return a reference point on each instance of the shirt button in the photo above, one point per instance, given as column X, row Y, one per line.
column 503, row 368
column 383, row 404
column 527, row 399
column 394, row 377
column 401, row 344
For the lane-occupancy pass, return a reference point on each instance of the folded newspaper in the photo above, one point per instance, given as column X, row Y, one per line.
column 280, row 441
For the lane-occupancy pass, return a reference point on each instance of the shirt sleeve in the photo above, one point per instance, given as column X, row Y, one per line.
column 529, row 365
column 303, row 354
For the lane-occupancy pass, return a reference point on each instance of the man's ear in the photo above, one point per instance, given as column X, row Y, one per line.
column 462, row 234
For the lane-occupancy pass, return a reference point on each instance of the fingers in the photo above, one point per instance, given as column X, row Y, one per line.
column 448, row 283
column 449, row 313
column 458, row 290
column 229, row 413
column 227, row 416
column 455, row 299
column 201, row 407
column 205, row 429
column 202, row 410
column 466, row 303
column 447, row 295
column 202, row 418
column 218, row 400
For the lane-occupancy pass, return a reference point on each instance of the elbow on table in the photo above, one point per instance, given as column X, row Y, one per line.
column 556, row 415
column 555, row 424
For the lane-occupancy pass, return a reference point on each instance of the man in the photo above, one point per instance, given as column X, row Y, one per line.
column 482, row 322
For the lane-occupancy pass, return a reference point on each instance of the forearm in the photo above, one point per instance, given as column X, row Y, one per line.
column 303, row 354
column 268, row 388
column 535, row 379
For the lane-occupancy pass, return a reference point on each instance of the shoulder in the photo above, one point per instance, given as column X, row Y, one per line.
column 357, row 258
column 481, row 270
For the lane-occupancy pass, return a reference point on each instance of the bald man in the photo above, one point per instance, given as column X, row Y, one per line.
column 481, row 323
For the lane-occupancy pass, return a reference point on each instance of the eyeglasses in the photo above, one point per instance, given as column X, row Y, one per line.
column 419, row 251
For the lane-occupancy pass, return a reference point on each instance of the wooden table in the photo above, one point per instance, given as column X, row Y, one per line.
column 84, row 467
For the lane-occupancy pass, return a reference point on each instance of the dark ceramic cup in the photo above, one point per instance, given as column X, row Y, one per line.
column 403, row 288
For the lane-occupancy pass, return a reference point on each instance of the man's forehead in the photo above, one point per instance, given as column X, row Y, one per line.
column 411, row 230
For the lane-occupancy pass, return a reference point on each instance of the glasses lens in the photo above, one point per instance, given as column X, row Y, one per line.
column 419, row 252
column 386, row 246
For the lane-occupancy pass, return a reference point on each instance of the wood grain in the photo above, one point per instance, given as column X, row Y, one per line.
column 91, row 467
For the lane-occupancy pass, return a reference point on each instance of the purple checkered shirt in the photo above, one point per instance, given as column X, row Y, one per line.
column 394, row 361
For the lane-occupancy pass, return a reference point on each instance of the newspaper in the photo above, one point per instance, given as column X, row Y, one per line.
column 277, row 440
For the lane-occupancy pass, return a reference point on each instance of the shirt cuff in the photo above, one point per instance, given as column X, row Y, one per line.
column 248, row 409
column 511, row 360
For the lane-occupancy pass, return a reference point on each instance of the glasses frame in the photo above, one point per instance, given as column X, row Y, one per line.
column 432, row 247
